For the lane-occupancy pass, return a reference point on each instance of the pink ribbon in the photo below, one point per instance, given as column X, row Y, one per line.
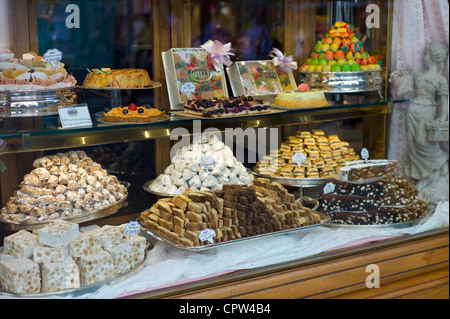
column 219, row 53
column 286, row 64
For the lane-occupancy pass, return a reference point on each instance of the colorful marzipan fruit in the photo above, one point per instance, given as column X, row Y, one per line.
column 340, row 51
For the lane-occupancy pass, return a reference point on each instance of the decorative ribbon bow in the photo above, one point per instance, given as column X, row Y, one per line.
column 219, row 53
column 286, row 64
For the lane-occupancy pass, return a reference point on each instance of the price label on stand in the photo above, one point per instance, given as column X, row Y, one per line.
column 75, row 116
column 207, row 161
column 53, row 56
column 132, row 228
column 329, row 188
column 365, row 154
column 299, row 158
column 207, row 235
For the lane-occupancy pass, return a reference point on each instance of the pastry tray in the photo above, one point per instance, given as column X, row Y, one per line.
column 112, row 281
column 285, row 108
column 100, row 119
column 194, row 116
column 153, row 85
column 149, row 190
column 100, row 213
column 340, row 177
column 410, row 223
column 295, row 182
column 153, row 235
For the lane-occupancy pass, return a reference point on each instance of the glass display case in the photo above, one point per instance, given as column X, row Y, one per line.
column 98, row 37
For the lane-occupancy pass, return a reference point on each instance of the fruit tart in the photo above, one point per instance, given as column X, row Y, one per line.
column 133, row 114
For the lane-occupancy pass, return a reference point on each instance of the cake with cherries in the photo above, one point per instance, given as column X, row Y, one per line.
column 133, row 114
column 226, row 107
column 31, row 72
column 117, row 78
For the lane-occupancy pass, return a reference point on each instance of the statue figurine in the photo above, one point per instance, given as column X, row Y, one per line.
column 426, row 160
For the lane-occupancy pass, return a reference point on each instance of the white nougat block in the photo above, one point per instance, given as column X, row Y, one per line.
column 139, row 245
column 20, row 276
column 122, row 256
column 86, row 244
column 110, row 235
column 60, row 276
column 58, row 233
column 46, row 254
column 95, row 268
column 20, row 244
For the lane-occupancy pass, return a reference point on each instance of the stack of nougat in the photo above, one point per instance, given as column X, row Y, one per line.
column 324, row 156
column 234, row 212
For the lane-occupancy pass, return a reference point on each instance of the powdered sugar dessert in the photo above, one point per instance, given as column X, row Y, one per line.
column 31, row 72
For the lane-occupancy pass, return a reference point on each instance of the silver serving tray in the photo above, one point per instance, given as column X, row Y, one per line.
column 153, row 85
column 344, row 82
column 147, row 188
column 100, row 213
column 153, row 235
column 113, row 281
column 407, row 224
column 295, row 182
column 28, row 103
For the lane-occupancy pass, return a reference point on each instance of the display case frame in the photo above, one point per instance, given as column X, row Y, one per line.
column 424, row 256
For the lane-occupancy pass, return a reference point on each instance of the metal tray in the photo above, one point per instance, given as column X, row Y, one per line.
column 407, row 224
column 105, row 212
column 149, row 190
column 110, row 282
column 35, row 103
column 153, row 235
column 295, row 182
column 182, row 113
column 344, row 82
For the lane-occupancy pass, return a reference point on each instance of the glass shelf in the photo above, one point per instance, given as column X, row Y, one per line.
column 49, row 134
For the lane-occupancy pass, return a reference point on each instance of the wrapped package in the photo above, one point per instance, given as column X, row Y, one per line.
column 191, row 75
column 259, row 78
column 60, row 276
column 20, row 276
column 20, row 244
column 46, row 254
column 58, row 233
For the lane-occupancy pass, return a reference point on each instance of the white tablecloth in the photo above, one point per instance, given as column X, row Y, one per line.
column 166, row 265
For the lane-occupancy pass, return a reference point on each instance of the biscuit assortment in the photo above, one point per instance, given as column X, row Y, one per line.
column 60, row 186
column 234, row 212
column 324, row 156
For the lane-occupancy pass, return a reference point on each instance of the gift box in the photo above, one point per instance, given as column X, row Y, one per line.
column 190, row 74
column 259, row 78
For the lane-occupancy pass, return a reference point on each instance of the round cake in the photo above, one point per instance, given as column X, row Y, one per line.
column 132, row 114
column 301, row 99
column 118, row 78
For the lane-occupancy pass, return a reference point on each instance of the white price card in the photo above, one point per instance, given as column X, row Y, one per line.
column 132, row 228
column 329, row 188
column 207, row 161
column 365, row 154
column 73, row 116
column 207, row 234
column 299, row 158
column 53, row 56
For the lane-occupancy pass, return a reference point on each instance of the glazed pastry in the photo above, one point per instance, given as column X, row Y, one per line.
column 119, row 78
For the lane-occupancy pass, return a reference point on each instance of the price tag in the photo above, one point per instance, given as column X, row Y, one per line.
column 329, row 188
column 53, row 56
column 207, row 161
column 365, row 154
column 207, row 235
column 132, row 228
column 299, row 158
column 188, row 88
column 73, row 116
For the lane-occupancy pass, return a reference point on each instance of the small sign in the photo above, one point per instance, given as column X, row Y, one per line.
column 299, row 158
column 53, row 56
column 207, row 234
column 207, row 161
column 365, row 154
column 73, row 116
column 132, row 228
column 329, row 188
column 188, row 88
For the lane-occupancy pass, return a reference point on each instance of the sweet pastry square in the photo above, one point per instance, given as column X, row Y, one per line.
column 17, row 275
column 20, row 244
column 58, row 233
column 46, row 254
column 59, row 276
column 95, row 268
